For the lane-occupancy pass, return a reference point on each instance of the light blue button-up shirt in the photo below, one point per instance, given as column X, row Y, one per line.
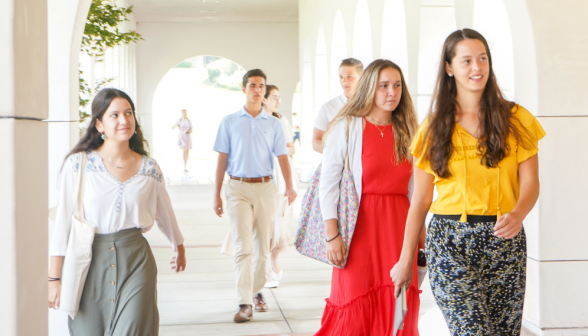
column 250, row 143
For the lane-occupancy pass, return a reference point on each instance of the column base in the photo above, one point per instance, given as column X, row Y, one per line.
column 554, row 331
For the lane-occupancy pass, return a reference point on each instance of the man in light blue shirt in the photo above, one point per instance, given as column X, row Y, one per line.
column 246, row 142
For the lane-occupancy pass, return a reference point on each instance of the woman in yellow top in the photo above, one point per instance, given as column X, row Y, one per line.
column 480, row 151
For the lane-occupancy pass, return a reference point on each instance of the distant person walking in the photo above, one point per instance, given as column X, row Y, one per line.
column 184, row 139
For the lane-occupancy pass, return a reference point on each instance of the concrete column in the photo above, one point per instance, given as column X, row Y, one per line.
column 549, row 40
column 23, row 182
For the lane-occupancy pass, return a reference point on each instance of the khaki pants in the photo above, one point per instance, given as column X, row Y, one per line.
column 251, row 208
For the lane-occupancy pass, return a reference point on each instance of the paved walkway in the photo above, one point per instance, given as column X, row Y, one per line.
column 201, row 300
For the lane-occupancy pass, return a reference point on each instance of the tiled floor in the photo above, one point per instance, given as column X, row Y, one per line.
column 201, row 300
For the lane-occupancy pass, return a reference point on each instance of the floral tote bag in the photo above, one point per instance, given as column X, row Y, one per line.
column 310, row 237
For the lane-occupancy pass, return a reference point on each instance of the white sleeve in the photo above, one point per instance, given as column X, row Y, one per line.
column 288, row 134
column 322, row 119
column 332, row 170
column 66, row 205
column 165, row 216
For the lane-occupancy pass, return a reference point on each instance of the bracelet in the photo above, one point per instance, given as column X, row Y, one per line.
column 330, row 240
column 54, row 279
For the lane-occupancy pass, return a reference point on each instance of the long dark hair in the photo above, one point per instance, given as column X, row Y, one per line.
column 92, row 139
column 496, row 116
column 268, row 89
column 404, row 120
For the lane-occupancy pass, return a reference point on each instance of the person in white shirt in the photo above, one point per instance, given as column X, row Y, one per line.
column 123, row 196
column 349, row 72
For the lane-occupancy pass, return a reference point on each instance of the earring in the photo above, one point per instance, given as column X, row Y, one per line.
column 135, row 132
column 450, row 75
column 103, row 136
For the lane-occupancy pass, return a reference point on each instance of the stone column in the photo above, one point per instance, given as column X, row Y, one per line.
column 23, row 171
column 549, row 41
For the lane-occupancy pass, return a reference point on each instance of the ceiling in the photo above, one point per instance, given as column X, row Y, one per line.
column 225, row 10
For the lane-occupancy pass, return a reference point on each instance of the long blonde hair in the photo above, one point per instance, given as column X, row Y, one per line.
column 404, row 120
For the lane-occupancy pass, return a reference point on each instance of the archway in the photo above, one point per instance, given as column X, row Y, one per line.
column 362, row 34
column 436, row 24
column 321, row 71
column 491, row 20
column 208, row 87
column 338, row 53
column 394, row 39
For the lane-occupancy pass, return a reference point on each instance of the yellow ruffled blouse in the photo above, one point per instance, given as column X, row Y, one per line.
column 473, row 188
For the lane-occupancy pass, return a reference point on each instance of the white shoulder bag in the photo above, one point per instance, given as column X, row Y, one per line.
column 79, row 251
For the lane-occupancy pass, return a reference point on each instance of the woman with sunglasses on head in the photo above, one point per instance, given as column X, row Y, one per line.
column 480, row 151
column 123, row 196
column 374, row 129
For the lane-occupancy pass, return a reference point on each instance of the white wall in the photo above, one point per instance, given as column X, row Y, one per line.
column 272, row 47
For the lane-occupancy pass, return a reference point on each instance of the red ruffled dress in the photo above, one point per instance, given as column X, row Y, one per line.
column 362, row 294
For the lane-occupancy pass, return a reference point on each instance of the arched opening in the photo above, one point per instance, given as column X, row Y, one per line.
column 321, row 71
column 338, row 53
column 436, row 24
column 208, row 87
column 394, row 42
column 491, row 20
column 362, row 34
column 306, row 116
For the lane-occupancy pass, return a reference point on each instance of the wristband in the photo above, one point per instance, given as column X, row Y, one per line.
column 330, row 240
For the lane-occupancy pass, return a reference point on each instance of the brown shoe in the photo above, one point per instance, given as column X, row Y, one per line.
column 260, row 303
column 244, row 314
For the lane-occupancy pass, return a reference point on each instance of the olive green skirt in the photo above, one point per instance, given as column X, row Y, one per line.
column 120, row 293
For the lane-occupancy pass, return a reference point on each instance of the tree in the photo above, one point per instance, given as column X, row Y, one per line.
column 100, row 33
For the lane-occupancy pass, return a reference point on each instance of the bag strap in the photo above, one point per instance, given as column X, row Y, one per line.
column 81, row 179
column 347, row 152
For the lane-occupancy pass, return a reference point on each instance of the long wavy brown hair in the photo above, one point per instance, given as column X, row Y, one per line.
column 496, row 117
column 404, row 120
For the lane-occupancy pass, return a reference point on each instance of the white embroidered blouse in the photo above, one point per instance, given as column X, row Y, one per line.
column 113, row 206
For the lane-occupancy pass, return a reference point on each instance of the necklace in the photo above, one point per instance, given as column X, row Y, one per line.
column 112, row 163
column 376, row 123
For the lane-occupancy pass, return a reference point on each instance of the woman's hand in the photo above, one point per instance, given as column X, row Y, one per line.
column 336, row 251
column 178, row 262
column 54, row 294
column 508, row 225
column 401, row 274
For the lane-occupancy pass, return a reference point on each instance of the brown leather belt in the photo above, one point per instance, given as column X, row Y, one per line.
column 252, row 179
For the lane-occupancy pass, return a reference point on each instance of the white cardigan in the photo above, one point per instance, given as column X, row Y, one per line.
column 336, row 146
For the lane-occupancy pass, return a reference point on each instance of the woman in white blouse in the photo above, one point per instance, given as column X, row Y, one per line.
column 283, row 216
column 124, row 195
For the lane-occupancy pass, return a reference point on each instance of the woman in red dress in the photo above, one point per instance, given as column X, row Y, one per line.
column 375, row 128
